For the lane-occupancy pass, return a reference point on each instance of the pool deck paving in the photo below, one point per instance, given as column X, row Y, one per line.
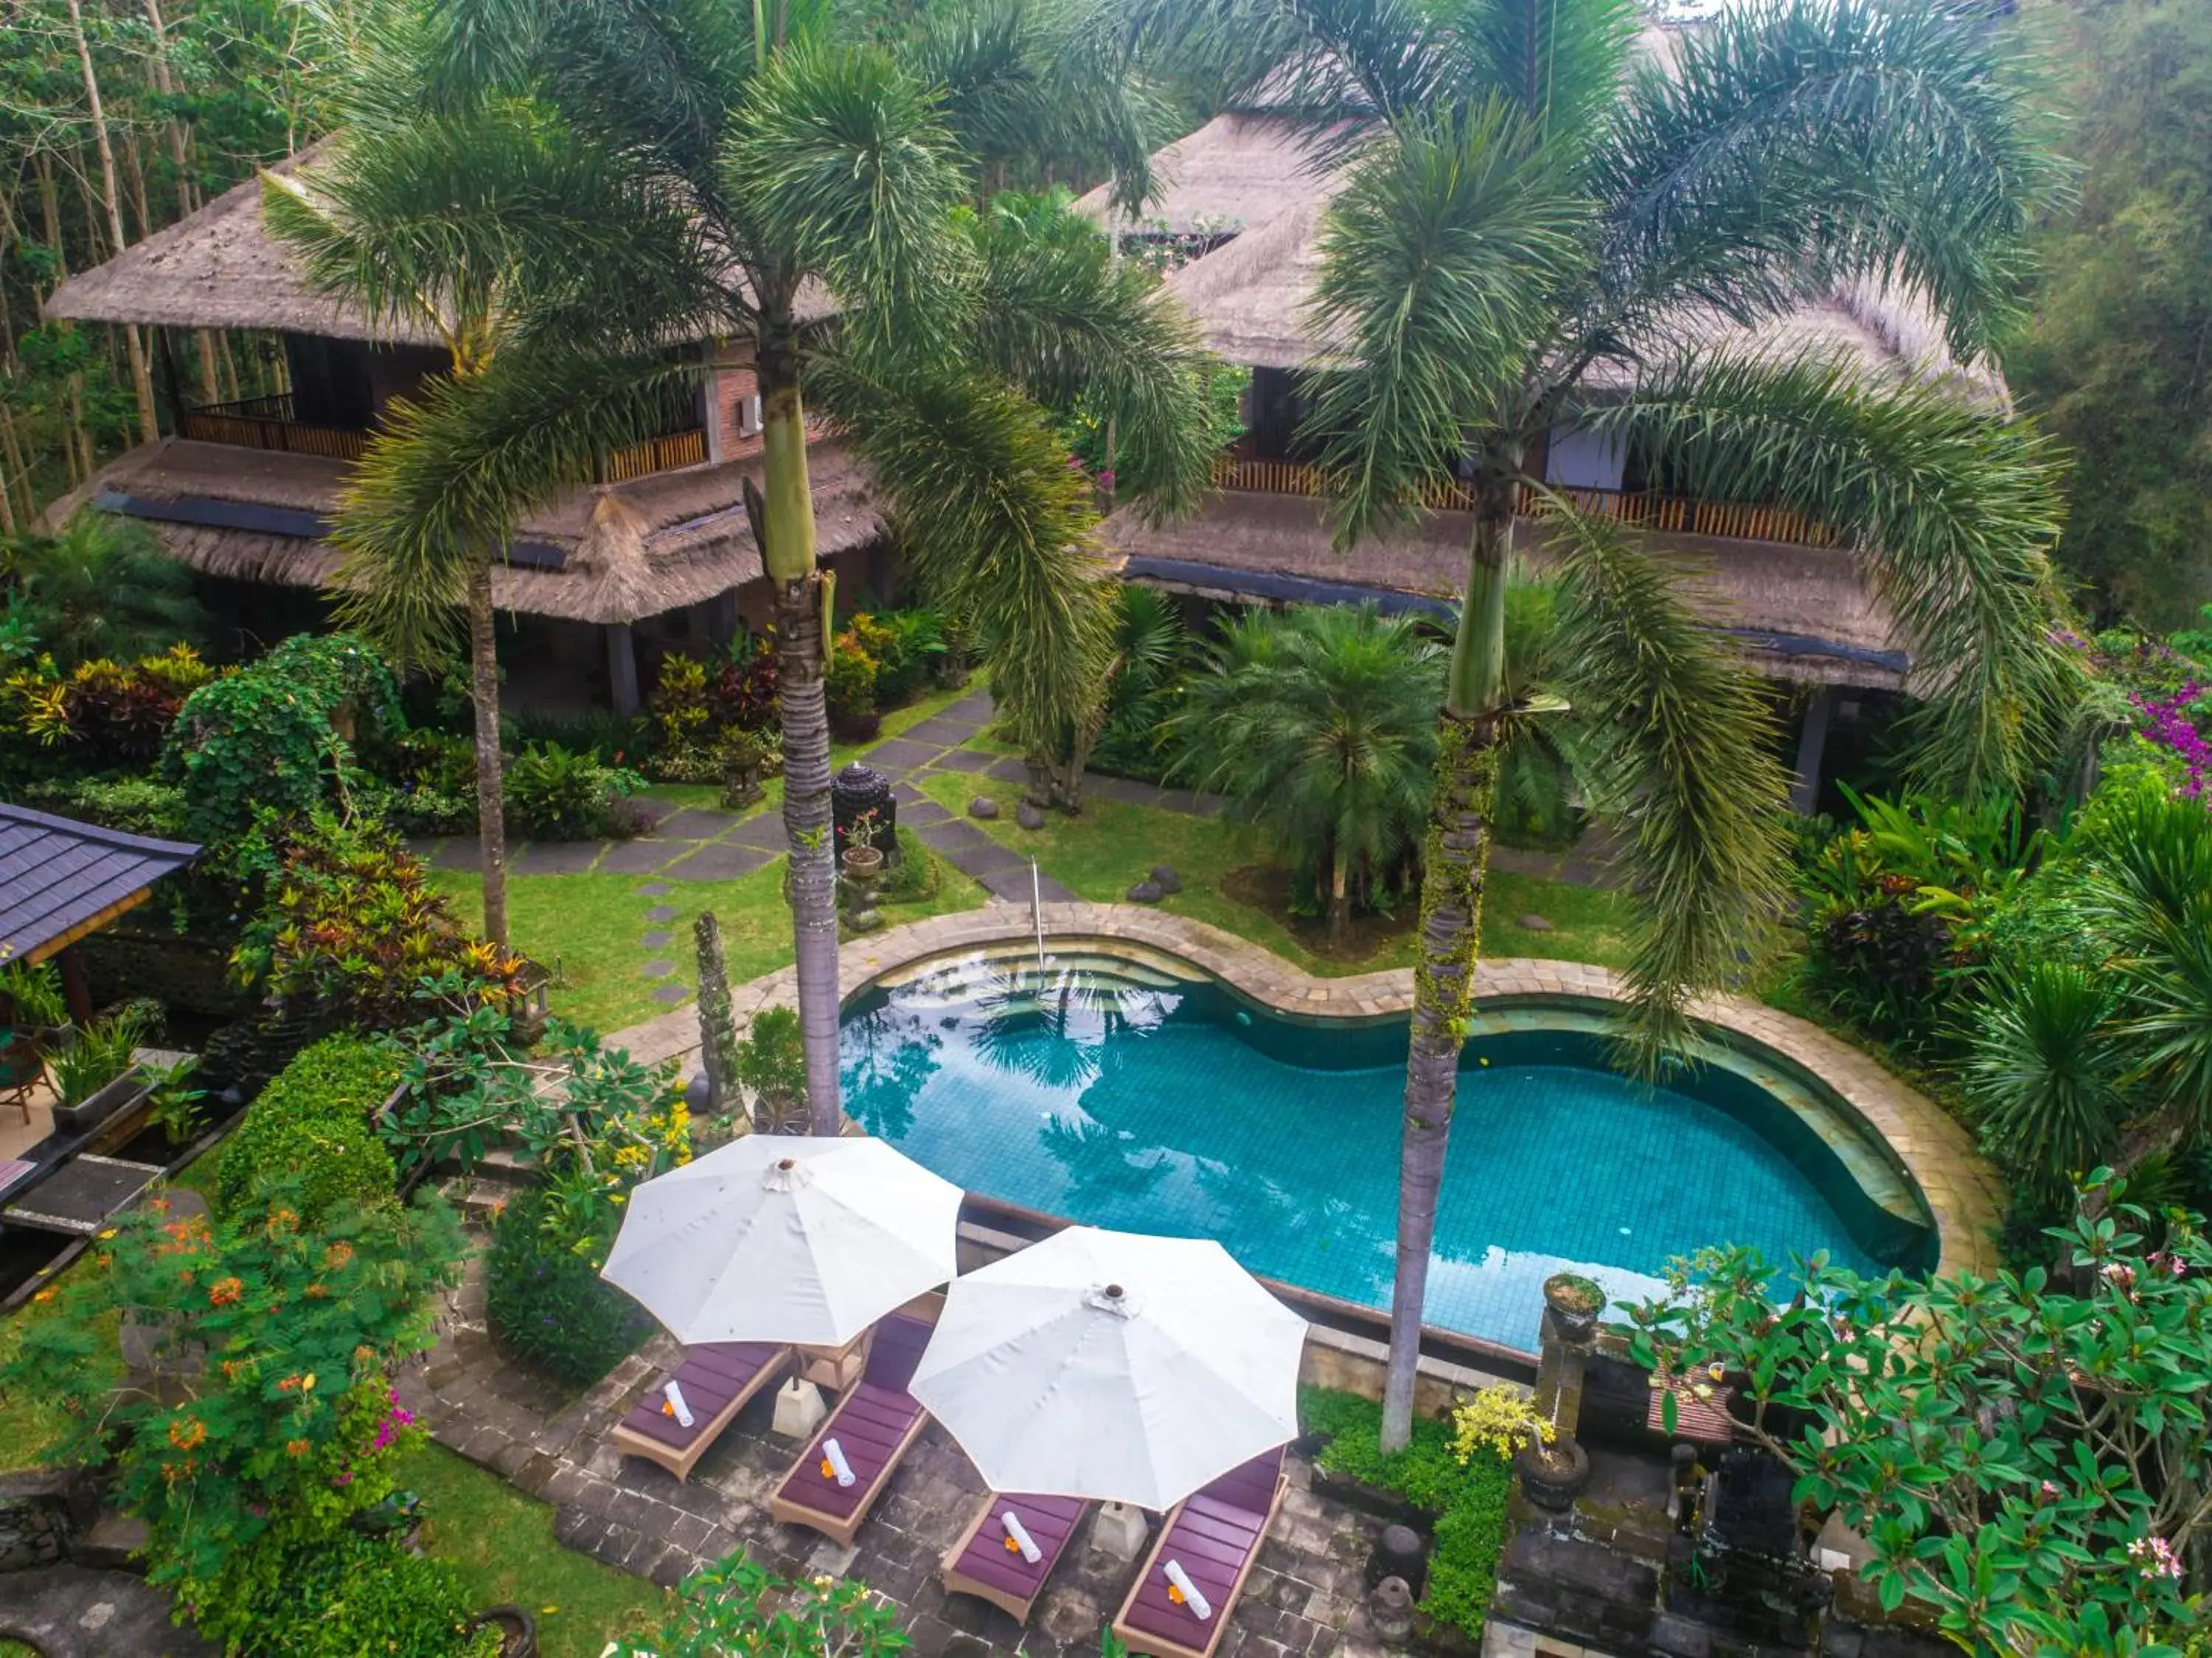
column 1303, row 1600
column 1962, row 1192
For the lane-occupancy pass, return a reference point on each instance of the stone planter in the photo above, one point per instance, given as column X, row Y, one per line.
column 863, row 863
column 1574, row 1303
column 1552, row 1476
column 124, row 1093
column 517, row 1629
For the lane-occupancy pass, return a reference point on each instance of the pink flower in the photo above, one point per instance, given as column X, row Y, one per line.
column 2156, row 1557
column 2170, row 726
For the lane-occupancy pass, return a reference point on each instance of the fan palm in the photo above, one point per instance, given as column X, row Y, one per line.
column 812, row 195
column 101, row 588
column 1319, row 725
column 1524, row 199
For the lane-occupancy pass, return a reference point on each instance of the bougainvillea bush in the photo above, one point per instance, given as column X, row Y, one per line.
column 248, row 1412
column 2026, row 1454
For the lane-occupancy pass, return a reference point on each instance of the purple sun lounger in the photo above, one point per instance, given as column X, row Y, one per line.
column 1215, row 1535
column 716, row 1379
column 874, row 1426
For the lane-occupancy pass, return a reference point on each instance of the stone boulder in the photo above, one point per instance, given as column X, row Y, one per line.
column 1028, row 816
column 983, row 807
column 1144, row 891
column 1165, row 878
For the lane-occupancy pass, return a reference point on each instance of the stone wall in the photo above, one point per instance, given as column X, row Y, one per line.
column 42, row 1510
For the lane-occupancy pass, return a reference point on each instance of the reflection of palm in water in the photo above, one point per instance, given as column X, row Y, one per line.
column 1052, row 1025
column 890, row 1054
column 1104, row 1172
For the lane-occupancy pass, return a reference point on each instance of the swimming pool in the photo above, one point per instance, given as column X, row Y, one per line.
column 1127, row 1089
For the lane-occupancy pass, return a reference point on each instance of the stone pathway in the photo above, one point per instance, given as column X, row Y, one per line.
column 77, row 1612
column 1303, row 1599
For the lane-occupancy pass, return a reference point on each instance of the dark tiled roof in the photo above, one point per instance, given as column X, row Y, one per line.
column 56, row 874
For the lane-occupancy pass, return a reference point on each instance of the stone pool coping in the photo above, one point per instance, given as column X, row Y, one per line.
column 1961, row 1191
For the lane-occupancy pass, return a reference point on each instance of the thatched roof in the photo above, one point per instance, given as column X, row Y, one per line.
column 615, row 554
column 219, row 268
column 1234, row 173
column 1250, row 295
column 1804, row 613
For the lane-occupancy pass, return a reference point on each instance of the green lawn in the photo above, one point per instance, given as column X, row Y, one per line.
column 1111, row 846
column 503, row 1544
column 587, row 928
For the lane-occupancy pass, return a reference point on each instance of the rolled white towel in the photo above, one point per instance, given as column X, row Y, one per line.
column 675, row 1396
column 1020, row 1535
column 1200, row 1607
column 834, row 1454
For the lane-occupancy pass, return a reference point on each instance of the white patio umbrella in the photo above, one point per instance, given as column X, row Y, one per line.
column 1113, row 1365
column 786, row 1238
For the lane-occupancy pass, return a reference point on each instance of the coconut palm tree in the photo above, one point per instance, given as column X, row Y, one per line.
column 1526, row 198
column 814, row 195
column 1318, row 724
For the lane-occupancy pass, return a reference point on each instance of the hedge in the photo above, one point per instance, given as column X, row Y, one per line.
column 1468, row 1502
column 309, row 1135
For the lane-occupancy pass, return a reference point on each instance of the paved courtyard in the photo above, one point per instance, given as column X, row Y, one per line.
column 1303, row 1597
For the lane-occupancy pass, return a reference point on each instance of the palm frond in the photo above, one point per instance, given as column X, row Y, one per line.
column 1058, row 316
column 2152, row 899
column 494, row 222
column 844, row 167
column 1441, row 259
column 1951, row 510
column 443, row 482
column 1683, row 748
column 996, row 524
column 1799, row 143
column 2041, row 1071
column 1562, row 63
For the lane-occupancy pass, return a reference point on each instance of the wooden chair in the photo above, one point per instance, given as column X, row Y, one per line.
column 981, row 1564
column 874, row 1425
column 716, row 1379
column 1215, row 1535
column 22, row 1068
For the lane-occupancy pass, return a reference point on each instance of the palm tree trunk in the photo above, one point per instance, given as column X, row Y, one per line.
column 1340, row 897
column 788, row 554
column 1456, row 855
column 491, row 806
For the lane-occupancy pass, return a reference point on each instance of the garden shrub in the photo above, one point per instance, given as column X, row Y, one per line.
column 913, row 878
column 554, row 793
column 357, row 1596
column 353, row 927
column 1468, row 1501
column 547, row 1304
column 308, row 1134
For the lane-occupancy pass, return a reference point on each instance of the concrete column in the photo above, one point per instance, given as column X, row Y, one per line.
column 622, row 667
column 1812, row 742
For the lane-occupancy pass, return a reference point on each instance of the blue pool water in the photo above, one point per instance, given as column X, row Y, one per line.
column 1136, row 1096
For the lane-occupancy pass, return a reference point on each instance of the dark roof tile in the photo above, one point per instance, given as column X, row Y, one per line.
column 56, row 874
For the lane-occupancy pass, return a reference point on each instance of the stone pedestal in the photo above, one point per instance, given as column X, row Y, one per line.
column 799, row 1410
column 1119, row 1531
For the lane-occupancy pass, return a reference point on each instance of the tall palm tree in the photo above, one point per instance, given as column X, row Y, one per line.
column 1525, row 198
column 1319, row 724
column 813, row 195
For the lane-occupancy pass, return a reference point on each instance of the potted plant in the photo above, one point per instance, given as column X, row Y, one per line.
column 518, row 1630
column 864, row 860
column 744, row 756
column 1574, row 1302
column 1553, row 1473
column 95, row 1072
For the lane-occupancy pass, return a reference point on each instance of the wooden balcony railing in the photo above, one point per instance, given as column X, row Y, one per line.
column 266, row 423
column 1733, row 520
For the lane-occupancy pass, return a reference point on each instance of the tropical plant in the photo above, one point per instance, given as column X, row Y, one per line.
column 559, row 794
column 269, row 1419
column 771, row 1067
column 97, row 1053
column 102, row 587
column 2041, row 1071
column 277, row 738
column 548, row 1304
column 1145, row 689
column 737, row 1606
column 600, row 212
column 351, row 927
column 355, row 1594
column 2025, row 1454
column 1318, row 723
column 1526, row 199
column 31, row 995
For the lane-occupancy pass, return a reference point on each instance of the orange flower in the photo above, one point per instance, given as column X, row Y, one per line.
column 296, row 1448
column 187, row 1432
column 316, row 1292
column 290, row 1384
column 44, row 1295
column 224, row 1291
column 337, row 1255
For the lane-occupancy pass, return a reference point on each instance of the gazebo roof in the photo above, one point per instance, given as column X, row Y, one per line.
column 61, row 879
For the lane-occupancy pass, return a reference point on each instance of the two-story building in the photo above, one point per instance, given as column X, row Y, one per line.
column 1243, row 204
column 657, row 555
